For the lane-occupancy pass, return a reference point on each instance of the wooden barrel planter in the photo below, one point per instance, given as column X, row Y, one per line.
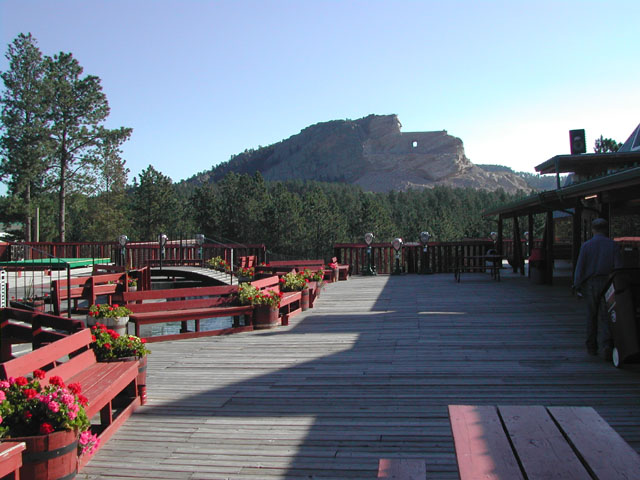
column 49, row 457
column 304, row 302
column 265, row 316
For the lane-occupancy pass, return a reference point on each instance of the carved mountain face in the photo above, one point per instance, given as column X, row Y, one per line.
column 374, row 153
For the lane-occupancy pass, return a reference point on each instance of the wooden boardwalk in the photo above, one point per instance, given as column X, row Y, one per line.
column 367, row 373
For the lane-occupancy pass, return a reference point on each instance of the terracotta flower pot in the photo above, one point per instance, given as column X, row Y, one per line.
column 49, row 457
column 265, row 316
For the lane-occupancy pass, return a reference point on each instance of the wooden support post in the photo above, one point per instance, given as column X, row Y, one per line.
column 499, row 242
column 576, row 236
column 531, row 238
column 548, row 274
column 517, row 247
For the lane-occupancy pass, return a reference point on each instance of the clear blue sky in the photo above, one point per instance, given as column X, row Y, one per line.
column 199, row 81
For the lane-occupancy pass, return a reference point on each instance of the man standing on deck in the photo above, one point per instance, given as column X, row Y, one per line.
column 598, row 257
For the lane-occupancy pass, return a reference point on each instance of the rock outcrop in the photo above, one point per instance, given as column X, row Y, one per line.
column 374, row 153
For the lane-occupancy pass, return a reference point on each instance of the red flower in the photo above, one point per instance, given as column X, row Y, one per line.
column 83, row 400
column 74, row 388
column 30, row 393
column 107, row 346
column 93, row 338
column 46, row 428
column 143, row 340
column 39, row 374
column 27, row 415
column 115, row 305
column 22, row 381
column 55, row 380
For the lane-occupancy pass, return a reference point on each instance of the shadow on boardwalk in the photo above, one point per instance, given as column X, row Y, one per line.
column 366, row 374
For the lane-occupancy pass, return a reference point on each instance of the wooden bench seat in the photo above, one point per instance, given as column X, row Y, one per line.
column 38, row 329
column 478, row 264
column 290, row 302
column 185, row 304
column 534, row 442
column 11, row 459
column 89, row 288
column 110, row 387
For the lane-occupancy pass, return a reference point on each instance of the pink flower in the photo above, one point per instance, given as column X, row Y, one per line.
column 4, row 384
column 68, row 399
column 54, row 407
column 3, row 396
column 72, row 415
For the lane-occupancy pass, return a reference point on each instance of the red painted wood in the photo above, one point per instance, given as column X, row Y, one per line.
column 11, row 458
column 605, row 452
column 482, row 448
column 540, row 445
column 45, row 355
column 402, row 469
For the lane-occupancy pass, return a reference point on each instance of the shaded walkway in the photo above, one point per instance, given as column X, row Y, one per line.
column 366, row 374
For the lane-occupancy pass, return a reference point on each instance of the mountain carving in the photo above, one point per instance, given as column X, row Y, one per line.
column 371, row 152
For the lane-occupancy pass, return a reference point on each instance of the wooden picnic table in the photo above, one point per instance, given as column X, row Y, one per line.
column 479, row 263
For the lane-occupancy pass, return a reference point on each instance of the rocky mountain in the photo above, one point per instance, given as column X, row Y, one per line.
column 371, row 152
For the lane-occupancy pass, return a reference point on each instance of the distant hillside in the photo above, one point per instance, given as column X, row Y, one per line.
column 535, row 181
column 371, row 152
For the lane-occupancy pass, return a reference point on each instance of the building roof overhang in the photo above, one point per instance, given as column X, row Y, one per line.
column 568, row 197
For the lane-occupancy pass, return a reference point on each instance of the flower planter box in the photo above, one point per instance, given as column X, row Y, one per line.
column 49, row 457
column 265, row 317
column 304, row 302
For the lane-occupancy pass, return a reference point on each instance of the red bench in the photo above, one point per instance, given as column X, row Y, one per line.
column 101, row 382
column 280, row 267
column 290, row 303
column 25, row 326
column 185, row 304
column 11, row 459
column 518, row 442
column 86, row 288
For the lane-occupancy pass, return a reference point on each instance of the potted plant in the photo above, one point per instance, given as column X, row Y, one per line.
column 49, row 419
column 314, row 281
column 114, row 316
column 245, row 274
column 266, row 314
column 296, row 282
column 109, row 346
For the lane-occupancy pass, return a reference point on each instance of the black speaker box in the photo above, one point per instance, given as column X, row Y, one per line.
column 578, row 142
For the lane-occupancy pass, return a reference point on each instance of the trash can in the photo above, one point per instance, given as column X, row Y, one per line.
column 536, row 266
column 622, row 297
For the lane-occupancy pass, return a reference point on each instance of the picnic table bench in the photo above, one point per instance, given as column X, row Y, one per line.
column 478, row 263
column 534, row 442
column 186, row 304
column 290, row 303
column 110, row 387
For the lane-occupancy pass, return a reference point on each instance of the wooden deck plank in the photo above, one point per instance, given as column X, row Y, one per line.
column 366, row 374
